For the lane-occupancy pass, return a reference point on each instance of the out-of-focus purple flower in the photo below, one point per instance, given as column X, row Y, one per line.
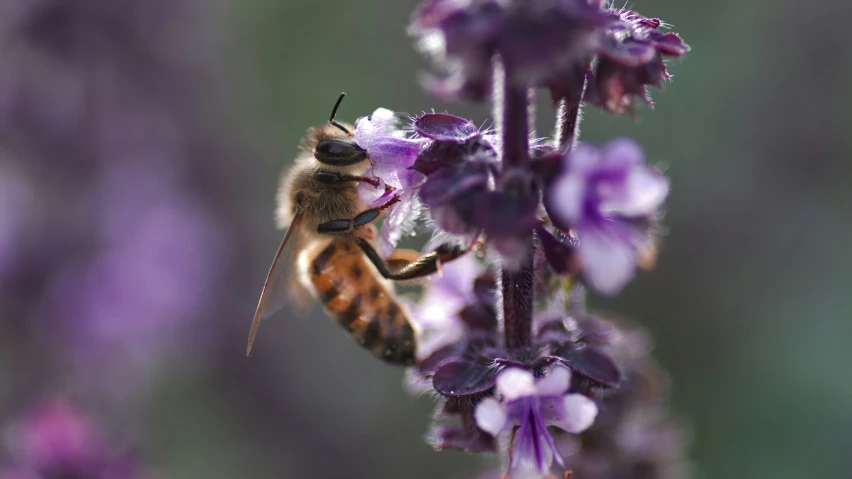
column 57, row 440
column 607, row 198
column 438, row 312
column 631, row 56
column 461, row 343
column 160, row 254
column 533, row 405
column 635, row 435
column 539, row 41
column 16, row 196
column 392, row 153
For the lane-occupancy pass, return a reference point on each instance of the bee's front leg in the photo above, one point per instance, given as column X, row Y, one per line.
column 347, row 225
column 423, row 266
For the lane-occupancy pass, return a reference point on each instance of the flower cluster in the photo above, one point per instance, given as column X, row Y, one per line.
column 58, row 440
column 545, row 43
column 631, row 56
column 520, row 367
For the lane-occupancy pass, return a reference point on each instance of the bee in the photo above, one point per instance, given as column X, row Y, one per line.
column 330, row 232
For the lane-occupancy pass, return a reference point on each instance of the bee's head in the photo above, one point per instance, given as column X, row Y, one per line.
column 339, row 150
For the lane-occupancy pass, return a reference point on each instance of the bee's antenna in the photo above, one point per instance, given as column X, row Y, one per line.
column 334, row 113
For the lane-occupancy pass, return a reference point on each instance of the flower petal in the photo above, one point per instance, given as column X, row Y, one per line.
column 643, row 192
column 533, row 451
column 578, row 413
column 399, row 220
column 384, row 120
column 514, row 383
column 608, row 258
column 555, row 383
column 392, row 158
column 373, row 196
column 490, row 416
column 565, row 198
column 621, row 153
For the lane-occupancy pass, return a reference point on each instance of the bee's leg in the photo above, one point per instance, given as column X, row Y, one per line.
column 422, row 266
column 401, row 257
column 329, row 177
column 364, row 218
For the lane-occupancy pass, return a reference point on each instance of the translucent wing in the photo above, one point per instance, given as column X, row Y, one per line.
column 275, row 291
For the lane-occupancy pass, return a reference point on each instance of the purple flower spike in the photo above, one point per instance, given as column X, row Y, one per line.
column 532, row 405
column 605, row 195
column 392, row 153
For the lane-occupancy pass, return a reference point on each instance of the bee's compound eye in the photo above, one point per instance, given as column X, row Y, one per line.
column 339, row 152
column 333, row 147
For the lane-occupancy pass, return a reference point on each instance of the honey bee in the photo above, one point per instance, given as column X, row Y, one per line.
column 330, row 233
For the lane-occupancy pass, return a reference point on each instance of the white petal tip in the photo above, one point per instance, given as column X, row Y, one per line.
column 490, row 416
column 580, row 413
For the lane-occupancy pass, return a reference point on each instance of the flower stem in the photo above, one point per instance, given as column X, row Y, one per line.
column 517, row 288
column 514, row 124
column 516, row 285
column 568, row 116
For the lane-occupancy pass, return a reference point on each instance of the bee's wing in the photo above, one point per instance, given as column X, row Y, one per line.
column 275, row 290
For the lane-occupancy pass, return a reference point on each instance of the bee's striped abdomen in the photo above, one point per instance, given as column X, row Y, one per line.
column 354, row 297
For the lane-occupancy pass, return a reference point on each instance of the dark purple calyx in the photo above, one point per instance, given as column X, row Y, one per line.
column 443, row 127
column 589, row 362
column 465, row 377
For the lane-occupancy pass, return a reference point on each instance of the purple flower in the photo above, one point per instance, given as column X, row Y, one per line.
column 538, row 41
column 607, row 197
column 58, row 440
column 392, row 153
column 159, row 255
column 533, row 405
column 446, row 163
column 438, row 312
column 630, row 57
column 467, row 192
column 461, row 344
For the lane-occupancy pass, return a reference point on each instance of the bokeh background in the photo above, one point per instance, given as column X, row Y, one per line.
column 140, row 147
